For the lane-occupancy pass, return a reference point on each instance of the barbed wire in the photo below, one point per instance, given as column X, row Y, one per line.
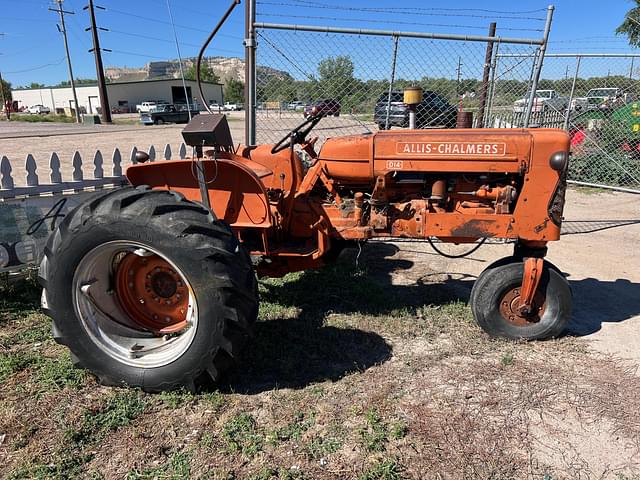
column 397, row 22
column 396, row 10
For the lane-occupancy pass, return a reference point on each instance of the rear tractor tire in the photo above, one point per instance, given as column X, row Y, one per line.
column 148, row 289
column 495, row 297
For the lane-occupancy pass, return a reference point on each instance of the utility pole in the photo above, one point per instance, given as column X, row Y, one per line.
column 102, row 84
column 4, row 105
column 63, row 30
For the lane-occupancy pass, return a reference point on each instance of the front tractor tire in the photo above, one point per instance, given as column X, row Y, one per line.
column 148, row 289
column 495, row 299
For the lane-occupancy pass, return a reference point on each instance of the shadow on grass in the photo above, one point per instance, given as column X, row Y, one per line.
column 293, row 347
column 19, row 299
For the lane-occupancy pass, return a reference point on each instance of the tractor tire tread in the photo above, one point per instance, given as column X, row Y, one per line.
column 196, row 228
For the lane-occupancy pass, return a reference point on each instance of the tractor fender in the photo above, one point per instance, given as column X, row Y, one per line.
column 236, row 192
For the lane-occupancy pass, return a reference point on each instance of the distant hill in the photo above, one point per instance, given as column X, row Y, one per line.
column 225, row 67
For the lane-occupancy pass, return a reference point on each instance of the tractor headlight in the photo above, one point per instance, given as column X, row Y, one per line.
column 558, row 161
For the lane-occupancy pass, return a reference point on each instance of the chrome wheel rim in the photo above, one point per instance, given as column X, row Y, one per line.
column 125, row 334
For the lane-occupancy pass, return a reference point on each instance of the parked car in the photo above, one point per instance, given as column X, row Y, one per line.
column 167, row 114
column 233, row 107
column 296, row 105
column 324, row 108
column 433, row 111
column 39, row 109
column 150, row 105
column 544, row 100
column 598, row 98
column 215, row 107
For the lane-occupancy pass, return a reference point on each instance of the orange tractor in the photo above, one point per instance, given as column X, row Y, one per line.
column 154, row 285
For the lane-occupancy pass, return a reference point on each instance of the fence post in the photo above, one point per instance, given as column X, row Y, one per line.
column 250, row 73
column 492, row 82
column 538, row 65
column 485, row 76
column 393, row 79
column 573, row 89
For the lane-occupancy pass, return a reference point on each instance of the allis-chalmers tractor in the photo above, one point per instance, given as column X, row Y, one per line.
column 154, row 285
column 148, row 286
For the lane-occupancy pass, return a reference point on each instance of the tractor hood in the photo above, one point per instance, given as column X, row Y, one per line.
column 360, row 158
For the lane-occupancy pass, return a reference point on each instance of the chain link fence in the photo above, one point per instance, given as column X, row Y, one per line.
column 596, row 98
column 356, row 81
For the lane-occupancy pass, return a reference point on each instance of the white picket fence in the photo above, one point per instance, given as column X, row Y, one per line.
column 26, row 180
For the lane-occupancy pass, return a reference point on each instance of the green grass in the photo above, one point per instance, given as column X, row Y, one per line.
column 241, row 435
column 50, row 117
column 19, row 300
column 321, row 446
column 119, row 410
column 180, row 398
column 507, row 359
column 178, row 467
column 57, row 467
column 47, row 373
column 384, row 470
column 11, row 363
column 292, row 430
column 374, row 435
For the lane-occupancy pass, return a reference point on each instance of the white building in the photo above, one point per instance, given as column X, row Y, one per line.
column 123, row 96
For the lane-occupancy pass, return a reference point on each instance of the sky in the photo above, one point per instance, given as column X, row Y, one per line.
column 32, row 49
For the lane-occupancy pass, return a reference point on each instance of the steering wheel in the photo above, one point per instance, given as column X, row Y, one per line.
column 297, row 135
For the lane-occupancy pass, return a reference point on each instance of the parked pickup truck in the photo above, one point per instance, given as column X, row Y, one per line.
column 167, row 114
column 233, row 107
column 545, row 100
column 149, row 106
column 599, row 98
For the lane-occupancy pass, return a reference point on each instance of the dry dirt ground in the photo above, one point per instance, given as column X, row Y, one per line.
column 368, row 369
column 374, row 371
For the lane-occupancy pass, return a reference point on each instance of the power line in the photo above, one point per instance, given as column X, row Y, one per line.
column 164, row 22
column 158, row 39
column 398, row 22
column 39, row 67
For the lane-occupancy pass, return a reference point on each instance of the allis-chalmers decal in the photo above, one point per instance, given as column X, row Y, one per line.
column 451, row 148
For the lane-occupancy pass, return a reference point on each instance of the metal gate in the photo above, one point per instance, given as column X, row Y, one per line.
column 354, row 77
column 597, row 100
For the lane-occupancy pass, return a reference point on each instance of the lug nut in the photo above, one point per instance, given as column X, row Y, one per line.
column 141, row 300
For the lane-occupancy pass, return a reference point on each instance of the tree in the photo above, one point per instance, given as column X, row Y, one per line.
column 336, row 77
column 206, row 74
column 6, row 90
column 631, row 25
column 36, row 85
column 234, row 91
column 78, row 81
